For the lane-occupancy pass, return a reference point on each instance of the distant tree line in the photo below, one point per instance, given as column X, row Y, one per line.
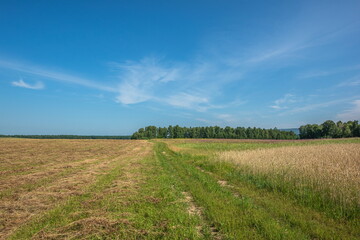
column 64, row 137
column 330, row 129
column 211, row 132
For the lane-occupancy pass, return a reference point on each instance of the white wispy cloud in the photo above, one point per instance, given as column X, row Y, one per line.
column 269, row 54
column 227, row 118
column 189, row 101
column 325, row 73
column 139, row 80
column 351, row 82
column 315, row 74
column 283, row 102
column 54, row 75
column 351, row 113
column 191, row 86
column 315, row 26
column 354, row 83
column 290, row 46
column 223, row 119
column 21, row 83
column 310, row 107
column 181, row 85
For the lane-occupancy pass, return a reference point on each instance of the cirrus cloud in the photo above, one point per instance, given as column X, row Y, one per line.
column 21, row 83
column 351, row 113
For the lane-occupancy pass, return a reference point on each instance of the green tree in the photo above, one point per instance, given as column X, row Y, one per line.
column 329, row 129
column 162, row 132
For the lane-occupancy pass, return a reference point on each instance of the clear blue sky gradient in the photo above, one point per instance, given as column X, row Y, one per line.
column 111, row 67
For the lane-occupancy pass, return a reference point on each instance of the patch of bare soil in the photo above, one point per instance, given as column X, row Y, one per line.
column 192, row 208
column 222, row 183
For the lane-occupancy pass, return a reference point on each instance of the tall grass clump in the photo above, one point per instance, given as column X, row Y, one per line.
column 326, row 177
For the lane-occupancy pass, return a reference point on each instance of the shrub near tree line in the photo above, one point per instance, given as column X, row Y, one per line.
column 330, row 129
column 211, row 132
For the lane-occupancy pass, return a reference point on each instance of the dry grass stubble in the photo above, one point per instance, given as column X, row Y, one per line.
column 21, row 206
column 99, row 224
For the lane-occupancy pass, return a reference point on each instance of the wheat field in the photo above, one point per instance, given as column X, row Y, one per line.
column 332, row 169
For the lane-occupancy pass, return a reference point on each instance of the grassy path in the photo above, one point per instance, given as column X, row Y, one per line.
column 239, row 210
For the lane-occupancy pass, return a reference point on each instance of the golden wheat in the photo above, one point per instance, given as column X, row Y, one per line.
column 331, row 168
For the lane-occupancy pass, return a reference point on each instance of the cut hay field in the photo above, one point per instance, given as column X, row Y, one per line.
column 40, row 177
column 179, row 189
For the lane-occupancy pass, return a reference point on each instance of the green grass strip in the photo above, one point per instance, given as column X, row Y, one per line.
column 233, row 217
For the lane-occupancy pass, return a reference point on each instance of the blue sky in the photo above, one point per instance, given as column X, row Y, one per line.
column 111, row 67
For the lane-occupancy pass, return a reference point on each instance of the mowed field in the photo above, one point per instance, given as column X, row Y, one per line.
column 179, row 189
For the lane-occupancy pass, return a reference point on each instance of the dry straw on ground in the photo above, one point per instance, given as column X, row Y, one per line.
column 36, row 175
column 331, row 168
